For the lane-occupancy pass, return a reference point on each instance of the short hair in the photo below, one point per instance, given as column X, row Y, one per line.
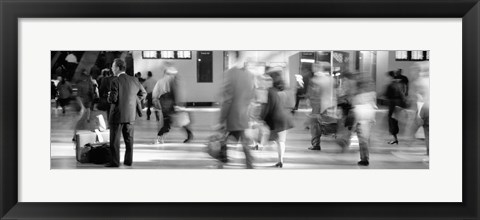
column 391, row 74
column 277, row 80
column 149, row 74
column 120, row 64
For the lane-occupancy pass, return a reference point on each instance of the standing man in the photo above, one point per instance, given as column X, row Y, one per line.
column 237, row 94
column 149, row 84
column 123, row 98
column 104, row 89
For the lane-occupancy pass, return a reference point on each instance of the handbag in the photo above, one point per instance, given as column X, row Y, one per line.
column 180, row 119
column 216, row 144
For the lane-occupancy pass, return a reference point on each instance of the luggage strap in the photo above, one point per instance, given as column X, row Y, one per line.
column 99, row 135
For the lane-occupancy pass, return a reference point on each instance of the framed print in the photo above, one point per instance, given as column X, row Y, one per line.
column 158, row 107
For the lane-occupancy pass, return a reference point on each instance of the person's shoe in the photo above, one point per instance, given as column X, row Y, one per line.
column 159, row 140
column 110, row 165
column 279, row 164
column 393, row 142
column 189, row 138
column 148, row 118
column 315, row 148
column 363, row 163
column 222, row 159
column 127, row 164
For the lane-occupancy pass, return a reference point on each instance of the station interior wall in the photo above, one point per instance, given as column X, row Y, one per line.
column 210, row 92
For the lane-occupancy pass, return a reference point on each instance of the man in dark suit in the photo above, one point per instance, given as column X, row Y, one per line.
column 124, row 92
column 237, row 94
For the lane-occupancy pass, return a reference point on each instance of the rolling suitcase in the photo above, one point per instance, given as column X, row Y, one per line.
column 83, row 137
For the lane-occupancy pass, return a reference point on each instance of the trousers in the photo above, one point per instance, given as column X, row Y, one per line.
column 126, row 129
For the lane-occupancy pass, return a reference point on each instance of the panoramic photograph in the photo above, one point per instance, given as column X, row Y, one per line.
column 318, row 109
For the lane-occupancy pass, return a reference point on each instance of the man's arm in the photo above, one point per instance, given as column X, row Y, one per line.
column 227, row 98
column 142, row 93
column 113, row 95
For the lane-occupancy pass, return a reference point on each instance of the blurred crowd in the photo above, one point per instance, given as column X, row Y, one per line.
column 254, row 108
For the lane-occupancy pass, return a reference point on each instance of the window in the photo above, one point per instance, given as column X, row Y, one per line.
column 167, row 54
column 401, row 55
column 415, row 55
column 184, row 55
column 150, row 55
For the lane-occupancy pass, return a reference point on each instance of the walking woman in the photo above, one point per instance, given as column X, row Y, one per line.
column 64, row 92
column 276, row 115
column 396, row 98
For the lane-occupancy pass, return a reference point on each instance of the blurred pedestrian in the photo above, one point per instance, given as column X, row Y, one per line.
column 65, row 91
column 403, row 80
column 149, row 84
column 300, row 91
column 275, row 113
column 96, row 94
column 238, row 92
column 85, row 95
column 321, row 97
column 166, row 92
column 138, row 75
column 421, row 88
column 103, row 90
column 364, row 107
column 396, row 101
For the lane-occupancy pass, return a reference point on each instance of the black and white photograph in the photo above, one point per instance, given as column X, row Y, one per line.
column 265, row 109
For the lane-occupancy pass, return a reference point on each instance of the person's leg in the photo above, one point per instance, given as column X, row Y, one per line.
column 149, row 105
column 240, row 136
column 426, row 130
column 363, row 133
column 393, row 128
column 87, row 112
column 166, row 125
column 297, row 102
column 115, row 130
column 282, row 138
column 157, row 115
column 127, row 131
column 189, row 134
column 315, row 133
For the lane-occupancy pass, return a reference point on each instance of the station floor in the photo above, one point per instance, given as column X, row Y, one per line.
column 174, row 154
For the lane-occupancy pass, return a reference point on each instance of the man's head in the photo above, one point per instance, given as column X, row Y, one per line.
column 149, row 74
column 170, row 71
column 118, row 66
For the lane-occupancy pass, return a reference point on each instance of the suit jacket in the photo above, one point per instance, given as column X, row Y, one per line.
column 125, row 92
column 237, row 94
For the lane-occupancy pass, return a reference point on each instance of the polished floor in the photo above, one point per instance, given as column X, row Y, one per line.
column 174, row 154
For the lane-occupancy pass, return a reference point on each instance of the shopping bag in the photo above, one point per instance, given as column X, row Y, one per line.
column 215, row 144
column 180, row 119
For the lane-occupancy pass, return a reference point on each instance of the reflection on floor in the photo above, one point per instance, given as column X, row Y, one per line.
column 173, row 154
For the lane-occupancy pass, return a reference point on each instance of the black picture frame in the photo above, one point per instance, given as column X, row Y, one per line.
column 12, row 10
